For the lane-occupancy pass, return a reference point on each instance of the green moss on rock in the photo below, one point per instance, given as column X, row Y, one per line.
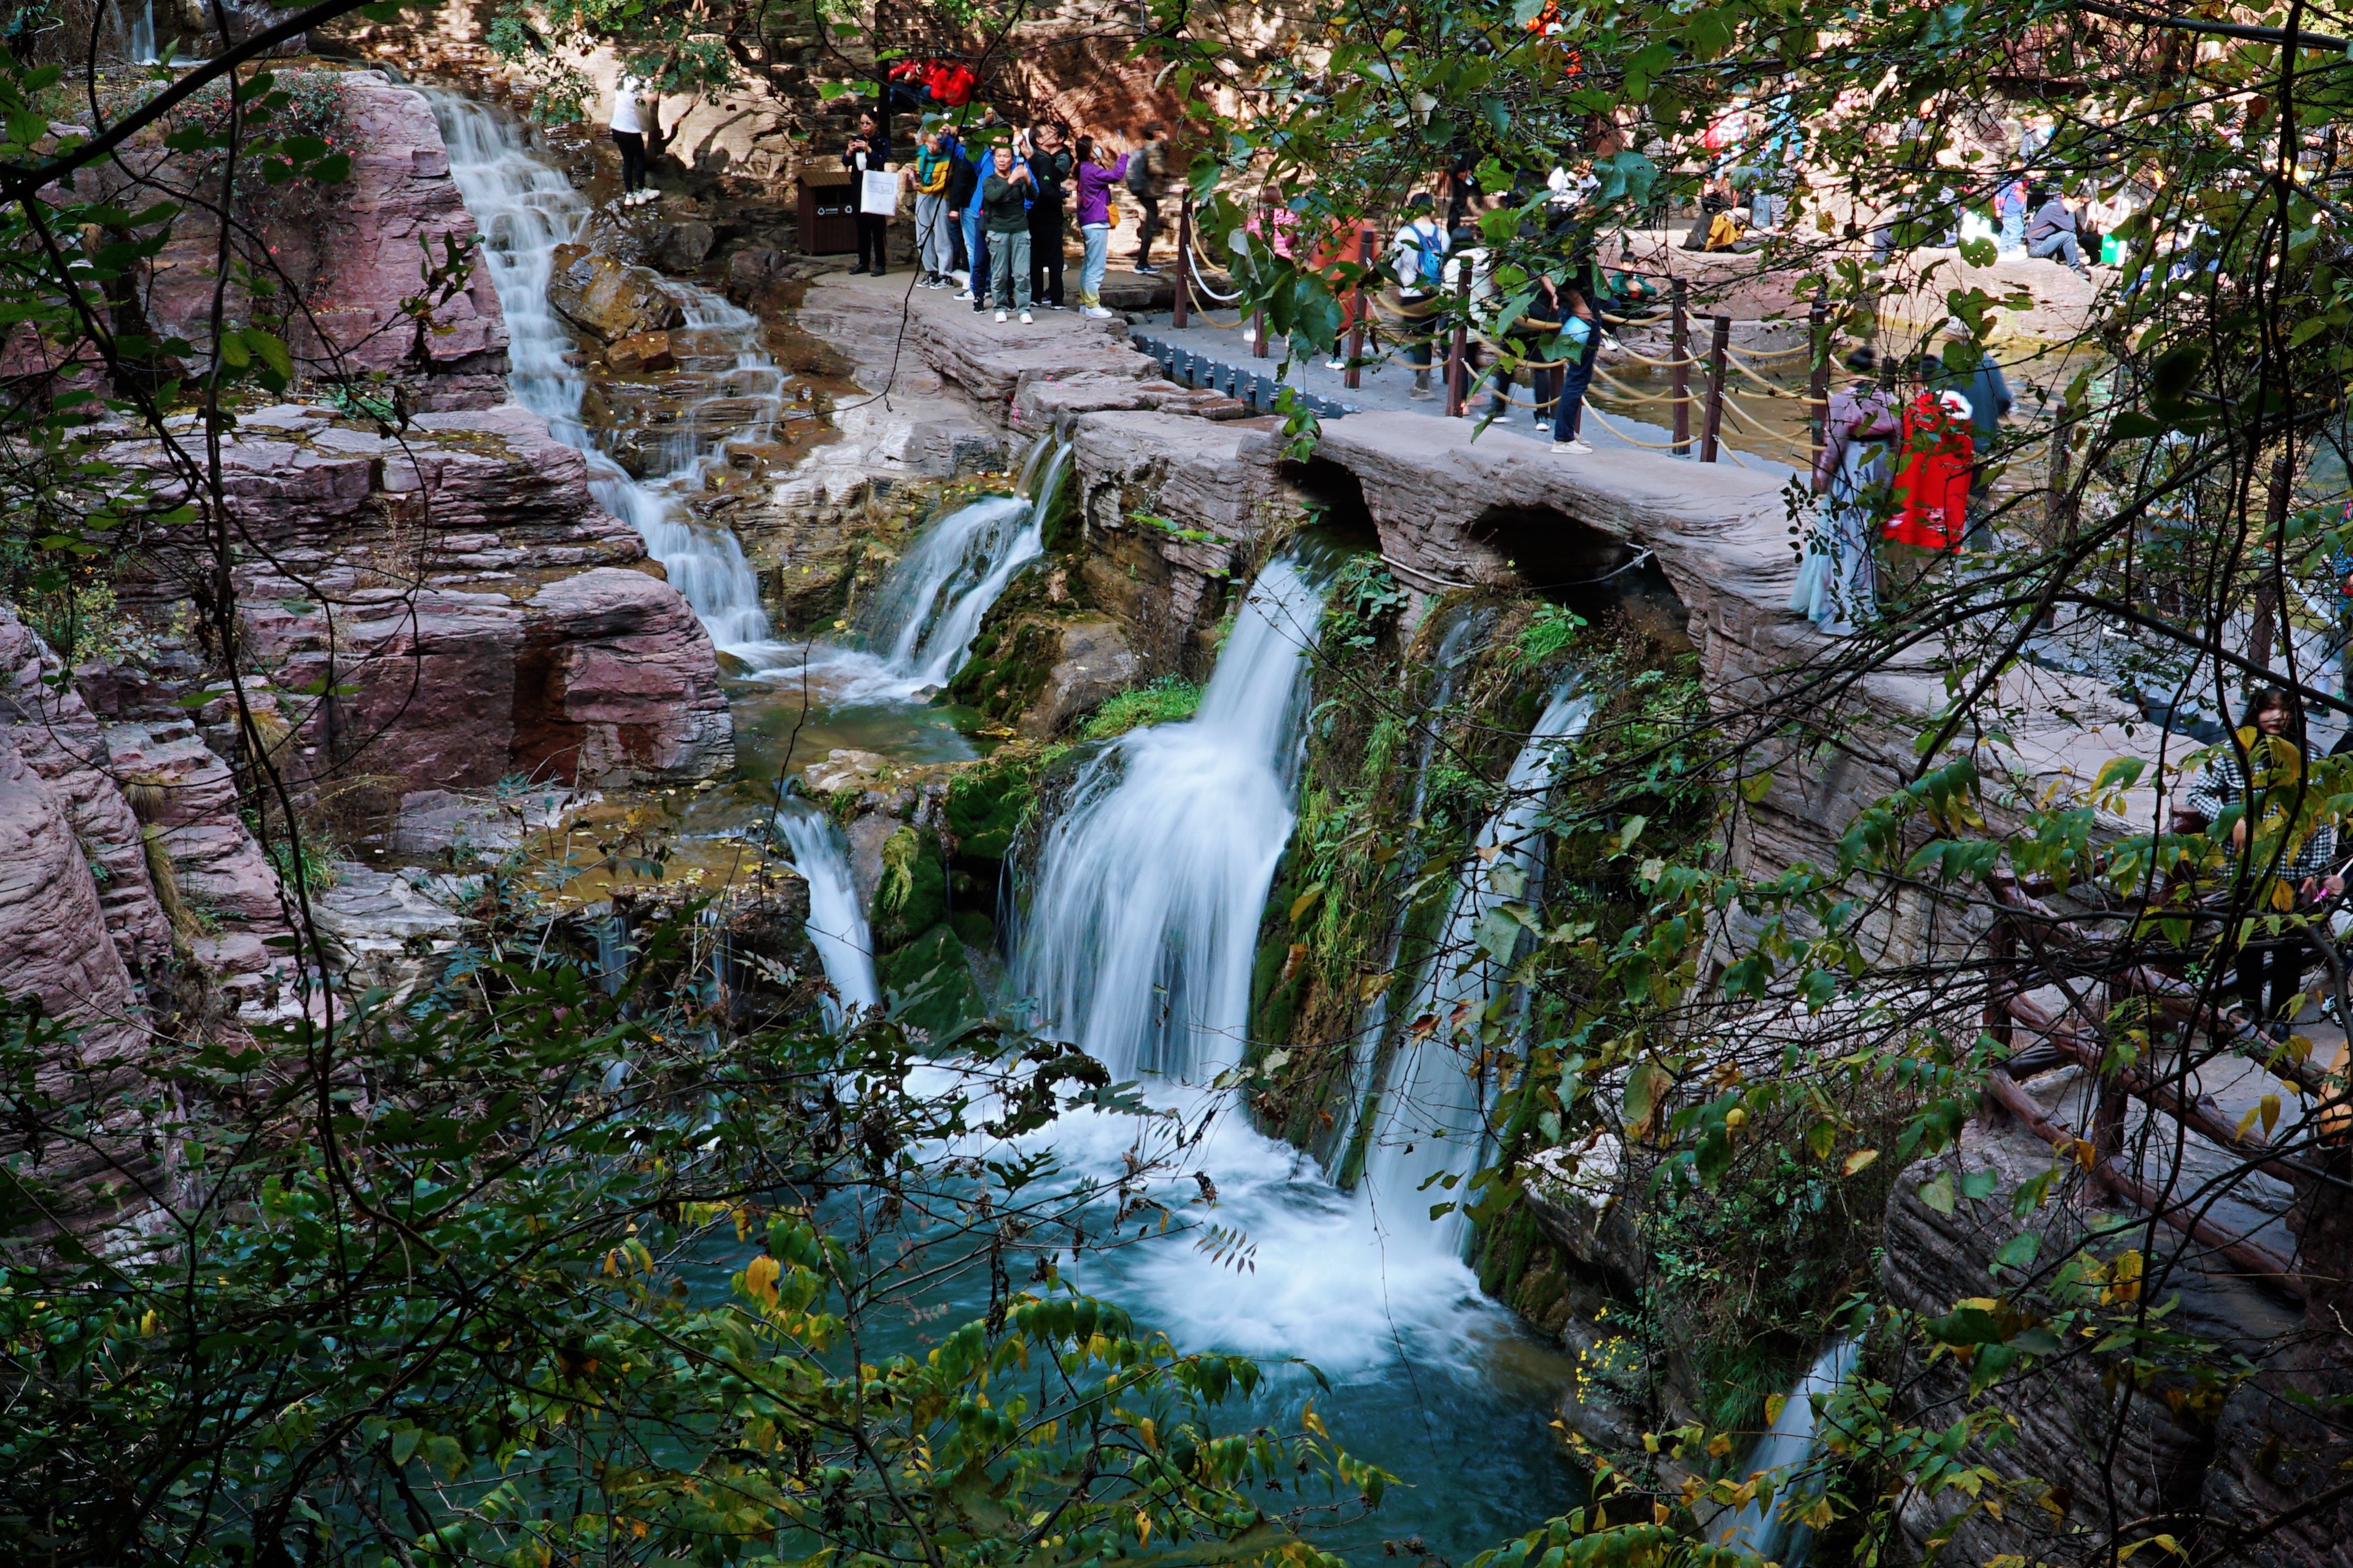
column 933, row 980
column 913, row 895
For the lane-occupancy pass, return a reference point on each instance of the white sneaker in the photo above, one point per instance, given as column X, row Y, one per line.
column 1574, row 444
column 1096, row 312
column 1000, row 315
column 1025, row 317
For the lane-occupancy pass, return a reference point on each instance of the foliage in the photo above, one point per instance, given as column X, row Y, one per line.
column 1166, row 699
column 657, row 1320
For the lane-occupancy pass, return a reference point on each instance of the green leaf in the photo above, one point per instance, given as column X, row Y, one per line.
column 1938, row 1193
column 2018, row 1251
column 1646, row 1088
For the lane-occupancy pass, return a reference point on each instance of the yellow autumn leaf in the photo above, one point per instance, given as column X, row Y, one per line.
column 760, row 1277
column 1312, row 1422
column 2270, row 1107
column 1857, row 1161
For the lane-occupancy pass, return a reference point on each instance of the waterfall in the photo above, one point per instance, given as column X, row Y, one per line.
column 930, row 606
column 525, row 208
column 836, row 926
column 1137, row 940
column 1466, row 627
column 1430, row 1120
column 141, row 26
column 1790, row 1444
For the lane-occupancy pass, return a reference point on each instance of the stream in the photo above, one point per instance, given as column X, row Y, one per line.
column 1143, row 955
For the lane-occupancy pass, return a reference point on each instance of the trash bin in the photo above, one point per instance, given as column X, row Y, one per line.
column 828, row 212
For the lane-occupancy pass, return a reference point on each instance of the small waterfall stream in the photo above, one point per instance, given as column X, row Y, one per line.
column 525, row 208
column 1790, row 1443
column 1431, row 1120
column 140, row 27
column 837, row 925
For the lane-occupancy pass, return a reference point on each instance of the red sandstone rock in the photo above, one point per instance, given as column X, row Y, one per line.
column 619, row 684
column 55, row 735
column 640, row 352
column 362, row 258
column 392, row 589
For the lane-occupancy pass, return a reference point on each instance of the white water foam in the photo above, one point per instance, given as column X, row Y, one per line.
column 1790, row 1443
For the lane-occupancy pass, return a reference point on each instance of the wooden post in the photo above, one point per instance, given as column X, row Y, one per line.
column 1182, row 310
column 1679, row 350
column 1458, row 370
column 1361, row 306
column 1819, row 393
column 1719, row 350
column 1258, row 318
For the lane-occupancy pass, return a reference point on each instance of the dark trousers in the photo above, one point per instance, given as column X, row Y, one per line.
column 2275, row 964
column 633, row 159
column 980, row 272
column 1569, row 402
column 873, row 237
column 1147, row 228
column 1046, row 253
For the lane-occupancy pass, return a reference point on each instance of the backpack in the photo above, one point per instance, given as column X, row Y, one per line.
column 1140, row 170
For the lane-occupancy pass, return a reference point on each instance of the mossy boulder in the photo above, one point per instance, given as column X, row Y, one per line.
column 912, row 895
column 932, row 978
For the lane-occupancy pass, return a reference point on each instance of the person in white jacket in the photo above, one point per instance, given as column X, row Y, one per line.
column 632, row 118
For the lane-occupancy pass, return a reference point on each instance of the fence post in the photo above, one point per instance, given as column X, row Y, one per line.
column 1360, row 305
column 1679, row 350
column 1257, row 317
column 1182, row 310
column 1458, row 370
column 1818, row 392
column 1718, row 351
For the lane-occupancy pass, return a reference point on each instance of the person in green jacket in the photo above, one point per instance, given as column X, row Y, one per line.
column 1005, row 212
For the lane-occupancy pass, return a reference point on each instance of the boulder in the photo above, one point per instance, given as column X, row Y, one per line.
column 606, row 298
column 641, row 354
column 618, row 684
column 751, row 269
column 1093, row 664
column 684, row 246
column 845, row 768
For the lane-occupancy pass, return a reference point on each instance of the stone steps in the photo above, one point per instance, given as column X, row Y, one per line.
column 1253, row 388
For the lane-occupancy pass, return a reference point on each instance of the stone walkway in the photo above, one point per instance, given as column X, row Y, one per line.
column 1385, row 389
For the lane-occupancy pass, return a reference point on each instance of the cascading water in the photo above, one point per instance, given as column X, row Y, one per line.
column 1790, row 1443
column 837, row 925
column 525, row 208
column 1431, row 1118
column 1466, row 626
column 140, row 25
column 1138, row 939
column 929, row 609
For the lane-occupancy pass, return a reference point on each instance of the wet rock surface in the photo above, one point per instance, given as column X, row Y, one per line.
column 607, row 297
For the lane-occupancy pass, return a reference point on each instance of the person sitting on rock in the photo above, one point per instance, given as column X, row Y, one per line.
column 2051, row 234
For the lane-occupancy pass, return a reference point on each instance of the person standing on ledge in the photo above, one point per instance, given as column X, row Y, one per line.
column 628, row 126
column 869, row 150
column 1099, row 173
column 1050, row 165
column 1005, row 204
column 1147, row 169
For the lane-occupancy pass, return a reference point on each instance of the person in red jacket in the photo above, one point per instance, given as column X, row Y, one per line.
column 1932, row 479
column 951, row 86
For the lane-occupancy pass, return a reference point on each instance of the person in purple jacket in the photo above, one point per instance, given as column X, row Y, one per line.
column 1099, row 173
